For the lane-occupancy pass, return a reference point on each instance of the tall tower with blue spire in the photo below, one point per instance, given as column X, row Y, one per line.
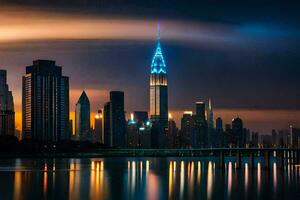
column 159, row 89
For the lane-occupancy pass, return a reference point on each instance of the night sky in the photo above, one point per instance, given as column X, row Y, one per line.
column 244, row 56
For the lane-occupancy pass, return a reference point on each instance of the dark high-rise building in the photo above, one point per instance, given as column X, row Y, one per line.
column 107, row 125
column 172, row 133
column 188, row 136
column 145, row 136
column 45, row 102
column 228, row 139
column 117, row 118
column 98, row 134
column 294, row 136
column 200, row 110
column 254, row 139
column 114, row 124
column 219, row 124
column 238, row 132
column 201, row 130
column 132, row 132
column 159, row 94
column 219, row 136
column 82, row 118
column 7, row 113
column 274, row 138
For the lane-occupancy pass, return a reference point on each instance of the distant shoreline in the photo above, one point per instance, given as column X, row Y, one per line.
column 102, row 153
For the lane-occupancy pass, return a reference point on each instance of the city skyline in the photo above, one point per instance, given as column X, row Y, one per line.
column 149, row 99
column 257, row 53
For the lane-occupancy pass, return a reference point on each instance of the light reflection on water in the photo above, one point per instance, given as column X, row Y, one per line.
column 144, row 178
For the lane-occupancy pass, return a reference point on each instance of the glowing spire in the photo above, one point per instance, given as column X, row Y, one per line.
column 158, row 63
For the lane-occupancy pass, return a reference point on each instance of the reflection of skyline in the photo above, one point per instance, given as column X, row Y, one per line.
column 90, row 179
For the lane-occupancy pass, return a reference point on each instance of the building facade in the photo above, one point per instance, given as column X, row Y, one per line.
column 114, row 120
column 45, row 102
column 107, row 125
column 98, row 129
column 117, row 118
column 159, row 93
column 200, row 126
column 7, row 113
column 82, row 118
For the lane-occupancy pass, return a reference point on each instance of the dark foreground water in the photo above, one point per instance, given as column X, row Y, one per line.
column 145, row 178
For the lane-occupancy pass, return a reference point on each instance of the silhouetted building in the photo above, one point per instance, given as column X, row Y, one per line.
column 82, row 118
column 117, row 118
column 227, row 127
column 132, row 133
column 219, row 125
column 200, row 110
column 188, row 135
column 228, row 138
column 295, row 136
column 141, row 117
column 200, row 134
column 274, row 138
column 283, row 138
column 145, row 136
column 247, row 137
column 114, row 124
column 98, row 129
column 7, row 113
column 107, row 125
column 45, row 102
column 138, row 132
column 266, row 141
column 172, row 133
column 159, row 95
column 254, row 139
column 238, row 132
column 219, row 137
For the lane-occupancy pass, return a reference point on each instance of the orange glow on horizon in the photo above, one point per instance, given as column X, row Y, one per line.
column 277, row 119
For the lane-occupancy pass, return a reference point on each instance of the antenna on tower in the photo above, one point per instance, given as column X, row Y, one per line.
column 158, row 30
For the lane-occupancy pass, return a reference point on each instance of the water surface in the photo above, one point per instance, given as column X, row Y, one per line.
column 145, row 178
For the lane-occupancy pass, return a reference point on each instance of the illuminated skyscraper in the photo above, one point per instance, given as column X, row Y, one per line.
column 45, row 102
column 7, row 114
column 159, row 91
